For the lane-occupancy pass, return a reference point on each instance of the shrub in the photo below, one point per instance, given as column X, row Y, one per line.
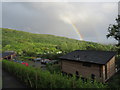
column 36, row 78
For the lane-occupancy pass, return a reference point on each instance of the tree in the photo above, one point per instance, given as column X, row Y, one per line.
column 114, row 30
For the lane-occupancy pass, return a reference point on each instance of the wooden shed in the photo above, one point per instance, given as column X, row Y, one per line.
column 99, row 65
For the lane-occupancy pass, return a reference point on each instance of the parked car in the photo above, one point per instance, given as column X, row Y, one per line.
column 54, row 62
column 18, row 61
column 37, row 59
column 31, row 59
column 45, row 61
column 25, row 63
column 21, row 62
column 15, row 60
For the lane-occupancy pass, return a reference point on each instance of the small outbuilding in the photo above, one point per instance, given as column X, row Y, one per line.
column 98, row 65
column 9, row 55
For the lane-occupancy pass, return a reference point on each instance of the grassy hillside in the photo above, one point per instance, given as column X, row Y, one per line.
column 25, row 43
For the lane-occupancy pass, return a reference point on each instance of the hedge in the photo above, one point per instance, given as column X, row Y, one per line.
column 37, row 78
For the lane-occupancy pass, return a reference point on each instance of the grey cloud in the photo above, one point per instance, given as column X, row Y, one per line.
column 91, row 19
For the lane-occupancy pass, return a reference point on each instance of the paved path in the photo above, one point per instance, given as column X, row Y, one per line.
column 8, row 81
column 0, row 75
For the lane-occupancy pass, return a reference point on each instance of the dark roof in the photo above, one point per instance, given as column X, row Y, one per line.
column 97, row 57
column 6, row 54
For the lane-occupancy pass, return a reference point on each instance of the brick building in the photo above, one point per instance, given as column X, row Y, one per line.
column 99, row 65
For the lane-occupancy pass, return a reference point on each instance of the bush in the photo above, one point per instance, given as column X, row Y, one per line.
column 36, row 78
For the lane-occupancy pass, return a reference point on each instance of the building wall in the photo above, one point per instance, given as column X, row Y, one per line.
column 70, row 67
column 110, row 69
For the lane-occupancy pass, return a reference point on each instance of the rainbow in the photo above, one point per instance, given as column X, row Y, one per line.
column 68, row 20
column 77, row 31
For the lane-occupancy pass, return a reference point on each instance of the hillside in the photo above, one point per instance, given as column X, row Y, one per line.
column 30, row 44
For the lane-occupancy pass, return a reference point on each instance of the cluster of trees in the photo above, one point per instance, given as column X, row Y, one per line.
column 114, row 30
column 49, row 46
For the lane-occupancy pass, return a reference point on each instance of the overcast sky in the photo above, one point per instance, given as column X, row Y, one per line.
column 91, row 18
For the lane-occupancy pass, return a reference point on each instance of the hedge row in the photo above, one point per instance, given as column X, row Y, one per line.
column 36, row 78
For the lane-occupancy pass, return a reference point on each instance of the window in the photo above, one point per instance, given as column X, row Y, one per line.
column 93, row 76
column 87, row 64
column 77, row 73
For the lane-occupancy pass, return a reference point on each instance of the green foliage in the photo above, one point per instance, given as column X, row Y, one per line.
column 53, row 68
column 46, row 46
column 113, row 30
column 115, row 81
column 36, row 78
